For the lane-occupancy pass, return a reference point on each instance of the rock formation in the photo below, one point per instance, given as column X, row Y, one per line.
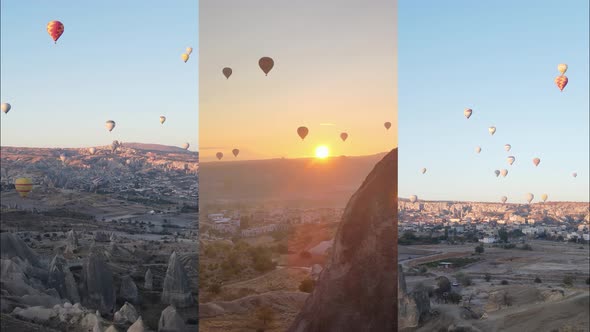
column 111, row 328
column 128, row 291
column 11, row 245
column 316, row 269
column 127, row 315
column 61, row 278
column 72, row 242
column 101, row 237
column 413, row 306
column 149, row 280
column 357, row 290
column 138, row 326
column 171, row 321
column 176, row 290
column 98, row 282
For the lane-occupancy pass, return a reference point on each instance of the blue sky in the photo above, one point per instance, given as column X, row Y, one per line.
column 116, row 60
column 500, row 59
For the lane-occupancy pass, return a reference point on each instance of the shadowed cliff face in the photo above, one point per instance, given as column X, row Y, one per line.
column 358, row 289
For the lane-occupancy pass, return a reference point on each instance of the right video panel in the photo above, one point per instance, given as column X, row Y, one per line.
column 494, row 164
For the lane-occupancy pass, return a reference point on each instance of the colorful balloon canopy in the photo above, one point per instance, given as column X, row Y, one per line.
column 467, row 112
column 23, row 186
column 492, row 130
column 507, row 147
column 511, row 160
column 186, row 146
column 226, row 72
column 302, row 132
column 55, row 30
column 189, row 50
column 561, row 82
column 162, row 119
column 423, row 170
column 63, row 157
column 184, row 57
column 219, row 155
column 478, row 149
column 343, row 136
column 235, row 152
column 536, row 161
column 413, row 198
column 562, row 67
column 5, row 107
column 387, row 125
column 110, row 125
column 266, row 64
column 92, row 150
column 504, row 172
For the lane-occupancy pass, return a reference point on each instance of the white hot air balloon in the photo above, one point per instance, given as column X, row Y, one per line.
column 110, row 125
column 5, row 107
column 413, row 198
column 511, row 160
column 504, row 199
column 186, row 146
column 529, row 197
column 467, row 112
column 423, row 170
column 189, row 50
column 507, row 147
column 92, row 150
column 504, row 172
column 162, row 119
column 562, row 67
column 492, row 130
column 497, row 172
column 478, row 149
column 574, row 174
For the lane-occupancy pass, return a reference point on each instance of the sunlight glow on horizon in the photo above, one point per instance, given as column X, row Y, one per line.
column 322, row 152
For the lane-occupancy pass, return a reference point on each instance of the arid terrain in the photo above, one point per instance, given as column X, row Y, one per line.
column 108, row 238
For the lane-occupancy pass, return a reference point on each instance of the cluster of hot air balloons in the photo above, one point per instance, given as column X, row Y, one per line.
column 186, row 55
column 265, row 64
column 561, row 81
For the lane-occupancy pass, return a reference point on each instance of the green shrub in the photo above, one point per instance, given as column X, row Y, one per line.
column 538, row 280
column 568, row 281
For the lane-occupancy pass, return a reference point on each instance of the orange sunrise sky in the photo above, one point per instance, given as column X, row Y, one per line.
column 335, row 71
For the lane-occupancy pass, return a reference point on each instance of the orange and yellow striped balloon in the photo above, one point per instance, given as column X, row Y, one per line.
column 561, row 82
column 55, row 30
column 23, row 186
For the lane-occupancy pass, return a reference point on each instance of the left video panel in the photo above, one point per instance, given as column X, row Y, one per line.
column 99, row 184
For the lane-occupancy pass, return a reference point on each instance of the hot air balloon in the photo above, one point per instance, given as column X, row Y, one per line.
column 92, row 150
column 162, row 119
column 503, row 199
column 467, row 112
column 219, row 155
column 423, row 170
column 413, row 198
column 561, row 82
column 227, row 72
column 492, row 130
column 478, row 149
column 511, row 160
column 55, row 30
column 266, row 64
column 23, row 186
column 504, row 172
column 110, row 125
column 5, row 107
column 544, row 197
column 497, row 172
column 186, row 146
column 562, row 67
column 529, row 197
column 343, row 136
column 507, row 147
column 302, row 132
column 236, row 152
column 189, row 50
column 63, row 158
column 574, row 174
column 536, row 161
column 184, row 57
column 387, row 125
column 115, row 145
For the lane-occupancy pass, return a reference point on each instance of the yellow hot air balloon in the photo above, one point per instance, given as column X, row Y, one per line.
column 162, row 119
column 184, row 57
column 544, row 197
column 23, row 186
column 562, row 67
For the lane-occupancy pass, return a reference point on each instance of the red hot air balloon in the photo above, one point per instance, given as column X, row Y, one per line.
column 55, row 30
column 219, row 155
column 344, row 136
column 235, row 152
column 266, row 64
column 561, row 82
column 302, row 132
column 387, row 125
column 227, row 72
column 536, row 161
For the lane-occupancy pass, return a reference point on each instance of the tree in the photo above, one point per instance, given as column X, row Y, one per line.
column 503, row 235
column 463, row 279
column 265, row 314
column 538, row 280
column 479, row 249
column 568, row 280
column 443, row 283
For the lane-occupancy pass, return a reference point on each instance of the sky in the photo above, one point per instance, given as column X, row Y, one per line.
column 335, row 71
column 116, row 60
column 500, row 59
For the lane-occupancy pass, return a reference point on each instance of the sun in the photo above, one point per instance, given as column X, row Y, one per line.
column 322, row 152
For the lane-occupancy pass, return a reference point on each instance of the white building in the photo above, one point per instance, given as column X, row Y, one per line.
column 488, row 240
